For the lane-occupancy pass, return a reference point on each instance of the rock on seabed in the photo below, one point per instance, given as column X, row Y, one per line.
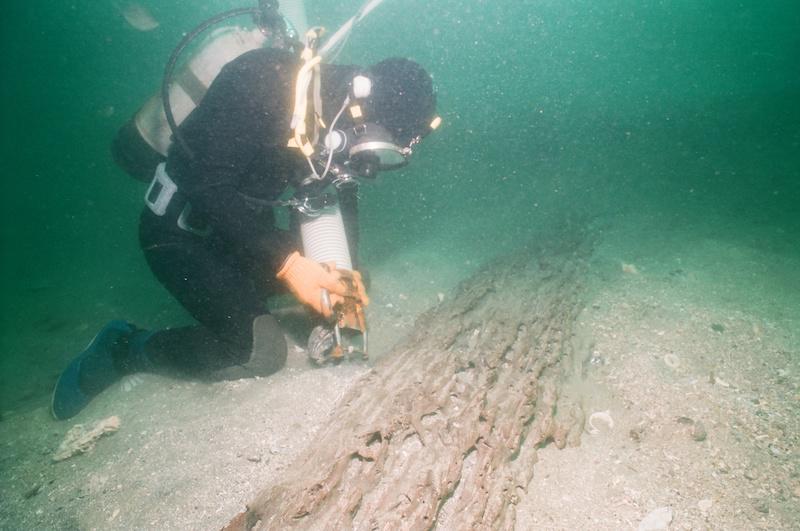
column 658, row 520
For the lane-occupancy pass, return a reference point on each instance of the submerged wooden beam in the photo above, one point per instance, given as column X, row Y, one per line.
column 444, row 430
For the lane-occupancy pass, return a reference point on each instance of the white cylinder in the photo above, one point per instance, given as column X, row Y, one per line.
column 324, row 238
column 190, row 84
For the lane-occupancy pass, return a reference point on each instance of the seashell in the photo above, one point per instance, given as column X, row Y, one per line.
column 599, row 416
column 129, row 382
column 672, row 361
column 630, row 269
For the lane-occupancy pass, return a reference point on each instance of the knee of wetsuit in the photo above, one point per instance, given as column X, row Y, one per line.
column 267, row 355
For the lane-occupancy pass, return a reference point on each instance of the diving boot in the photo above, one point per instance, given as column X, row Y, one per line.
column 117, row 350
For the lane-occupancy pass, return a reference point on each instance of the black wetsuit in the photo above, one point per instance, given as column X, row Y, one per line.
column 238, row 136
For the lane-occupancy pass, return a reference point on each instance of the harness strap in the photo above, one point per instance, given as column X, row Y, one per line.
column 305, row 75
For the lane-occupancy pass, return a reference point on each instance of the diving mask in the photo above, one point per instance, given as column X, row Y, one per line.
column 367, row 149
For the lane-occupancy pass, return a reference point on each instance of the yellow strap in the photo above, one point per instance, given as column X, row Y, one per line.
column 304, row 78
column 355, row 112
column 318, row 100
column 306, row 148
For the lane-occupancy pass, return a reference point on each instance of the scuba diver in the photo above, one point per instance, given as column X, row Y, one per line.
column 277, row 128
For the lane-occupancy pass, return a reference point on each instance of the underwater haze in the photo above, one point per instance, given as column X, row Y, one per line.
column 553, row 110
column 665, row 134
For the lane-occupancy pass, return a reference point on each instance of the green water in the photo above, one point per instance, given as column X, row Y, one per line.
column 684, row 109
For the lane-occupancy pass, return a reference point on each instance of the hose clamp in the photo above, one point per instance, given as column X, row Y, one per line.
column 312, row 206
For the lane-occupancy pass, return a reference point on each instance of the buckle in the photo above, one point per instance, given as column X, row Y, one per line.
column 160, row 192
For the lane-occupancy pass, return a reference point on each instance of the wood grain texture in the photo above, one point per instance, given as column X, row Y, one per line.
column 443, row 432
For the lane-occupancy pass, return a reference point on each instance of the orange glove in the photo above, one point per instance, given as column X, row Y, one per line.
column 306, row 280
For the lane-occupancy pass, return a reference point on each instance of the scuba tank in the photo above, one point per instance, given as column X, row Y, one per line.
column 142, row 143
column 191, row 83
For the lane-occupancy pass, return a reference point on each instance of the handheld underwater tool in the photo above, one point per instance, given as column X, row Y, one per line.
column 325, row 241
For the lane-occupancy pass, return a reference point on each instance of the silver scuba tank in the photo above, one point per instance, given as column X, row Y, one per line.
column 192, row 81
column 142, row 143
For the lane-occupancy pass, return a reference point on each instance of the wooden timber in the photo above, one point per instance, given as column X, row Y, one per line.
column 443, row 432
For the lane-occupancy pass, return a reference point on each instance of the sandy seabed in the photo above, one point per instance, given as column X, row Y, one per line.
column 689, row 372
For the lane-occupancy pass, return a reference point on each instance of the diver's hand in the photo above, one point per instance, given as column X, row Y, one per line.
column 307, row 279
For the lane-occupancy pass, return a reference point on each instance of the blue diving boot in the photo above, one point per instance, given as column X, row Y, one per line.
column 117, row 350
